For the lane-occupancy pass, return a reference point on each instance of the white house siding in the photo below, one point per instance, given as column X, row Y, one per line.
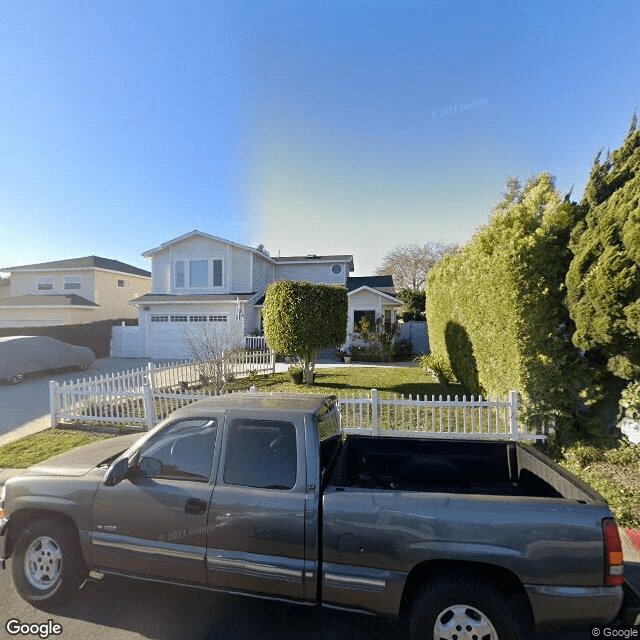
column 161, row 272
column 236, row 265
column 312, row 272
column 168, row 339
column 240, row 271
column 263, row 273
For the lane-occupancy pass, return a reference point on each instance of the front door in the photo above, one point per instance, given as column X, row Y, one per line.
column 154, row 522
column 256, row 537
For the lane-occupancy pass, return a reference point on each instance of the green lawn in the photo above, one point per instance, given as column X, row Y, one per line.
column 345, row 381
column 43, row 445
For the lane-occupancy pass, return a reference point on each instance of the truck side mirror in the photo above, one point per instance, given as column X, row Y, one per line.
column 116, row 473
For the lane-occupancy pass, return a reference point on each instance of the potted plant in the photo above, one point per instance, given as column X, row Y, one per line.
column 345, row 355
column 295, row 373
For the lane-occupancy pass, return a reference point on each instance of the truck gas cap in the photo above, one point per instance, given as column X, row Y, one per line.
column 348, row 544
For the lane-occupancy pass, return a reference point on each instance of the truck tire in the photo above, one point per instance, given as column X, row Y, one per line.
column 459, row 606
column 47, row 566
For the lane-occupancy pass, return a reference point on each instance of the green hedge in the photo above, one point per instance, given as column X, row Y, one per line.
column 95, row 335
column 495, row 307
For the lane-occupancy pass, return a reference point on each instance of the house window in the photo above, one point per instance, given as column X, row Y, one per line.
column 198, row 274
column 45, row 283
column 197, row 318
column 336, row 269
column 369, row 315
column 179, row 318
column 217, row 318
column 179, row 274
column 159, row 318
column 124, row 284
column 194, row 274
column 387, row 317
column 72, row 282
column 217, row 273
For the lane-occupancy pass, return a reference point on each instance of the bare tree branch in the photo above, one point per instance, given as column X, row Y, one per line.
column 409, row 264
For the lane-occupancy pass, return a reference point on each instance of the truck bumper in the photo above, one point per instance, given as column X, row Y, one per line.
column 555, row 607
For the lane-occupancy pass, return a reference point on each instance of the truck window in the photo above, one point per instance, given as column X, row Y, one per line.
column 261, row 454
column 181, row 451
column 329, row 423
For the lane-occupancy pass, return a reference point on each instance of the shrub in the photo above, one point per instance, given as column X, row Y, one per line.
column 438, row 367
column 630, row 401
column 377, row 338
column 495, row 308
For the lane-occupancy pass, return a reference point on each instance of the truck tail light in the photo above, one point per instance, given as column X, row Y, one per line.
column 613, row 565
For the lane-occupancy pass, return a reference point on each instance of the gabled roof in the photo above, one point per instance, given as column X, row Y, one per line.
column 312, row 257
column 195, row 234
column 88, row 262
column 47, row 300
column 382, row 283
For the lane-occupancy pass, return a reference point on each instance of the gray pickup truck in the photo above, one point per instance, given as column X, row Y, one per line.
column 263, row 495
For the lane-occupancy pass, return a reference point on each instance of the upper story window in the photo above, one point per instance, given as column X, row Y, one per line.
column 197, row 274
column 45, row 283
column 336, row 269
column 124, row 284
column 72, row 282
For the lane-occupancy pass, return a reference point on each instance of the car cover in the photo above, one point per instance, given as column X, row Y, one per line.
column 27, row 354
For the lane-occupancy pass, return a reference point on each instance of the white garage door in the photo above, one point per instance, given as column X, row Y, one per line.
column 170, row 334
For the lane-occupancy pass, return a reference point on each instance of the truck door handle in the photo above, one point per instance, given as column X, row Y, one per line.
column 195, row 506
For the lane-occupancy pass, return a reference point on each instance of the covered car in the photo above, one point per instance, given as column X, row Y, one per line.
column 28, row 354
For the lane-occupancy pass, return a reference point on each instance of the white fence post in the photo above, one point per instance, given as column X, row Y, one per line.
column 513, row 413
column 53, row 402
column 151, row 376
column 374, row 412
column 149, row 409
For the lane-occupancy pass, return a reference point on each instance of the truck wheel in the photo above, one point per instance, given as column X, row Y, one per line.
column 460, row 607
column 47, row 564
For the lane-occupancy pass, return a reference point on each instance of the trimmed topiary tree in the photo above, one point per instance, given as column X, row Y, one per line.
column 300, row 318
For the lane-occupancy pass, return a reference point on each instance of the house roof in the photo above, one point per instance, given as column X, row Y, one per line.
column 168, row 298
column 312, row 257
column 197, row 233
column 47, row 300
column 382, row 283
column 88, row 262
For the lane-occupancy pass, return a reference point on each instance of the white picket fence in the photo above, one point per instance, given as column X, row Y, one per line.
column 373, row 413
column 474, row 417
column 144, row 395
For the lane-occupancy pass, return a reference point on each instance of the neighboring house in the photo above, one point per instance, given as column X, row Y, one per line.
column 74, row 291
column 204, row 287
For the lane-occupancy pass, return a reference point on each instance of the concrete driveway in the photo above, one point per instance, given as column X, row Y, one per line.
column 24, row 407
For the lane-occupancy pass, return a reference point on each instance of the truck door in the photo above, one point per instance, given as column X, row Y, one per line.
column 154, row 522
column 256, row 537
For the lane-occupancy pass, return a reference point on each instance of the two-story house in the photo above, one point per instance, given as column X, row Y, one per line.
column 74, row 291
column 203, row 287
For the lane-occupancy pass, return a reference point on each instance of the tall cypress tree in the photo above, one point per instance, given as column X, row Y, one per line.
column 603, row 280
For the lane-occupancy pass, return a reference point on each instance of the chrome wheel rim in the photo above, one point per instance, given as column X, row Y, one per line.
column 463, row 622
column 43, row 563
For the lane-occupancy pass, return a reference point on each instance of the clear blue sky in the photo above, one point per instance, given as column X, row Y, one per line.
column 312, row 127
